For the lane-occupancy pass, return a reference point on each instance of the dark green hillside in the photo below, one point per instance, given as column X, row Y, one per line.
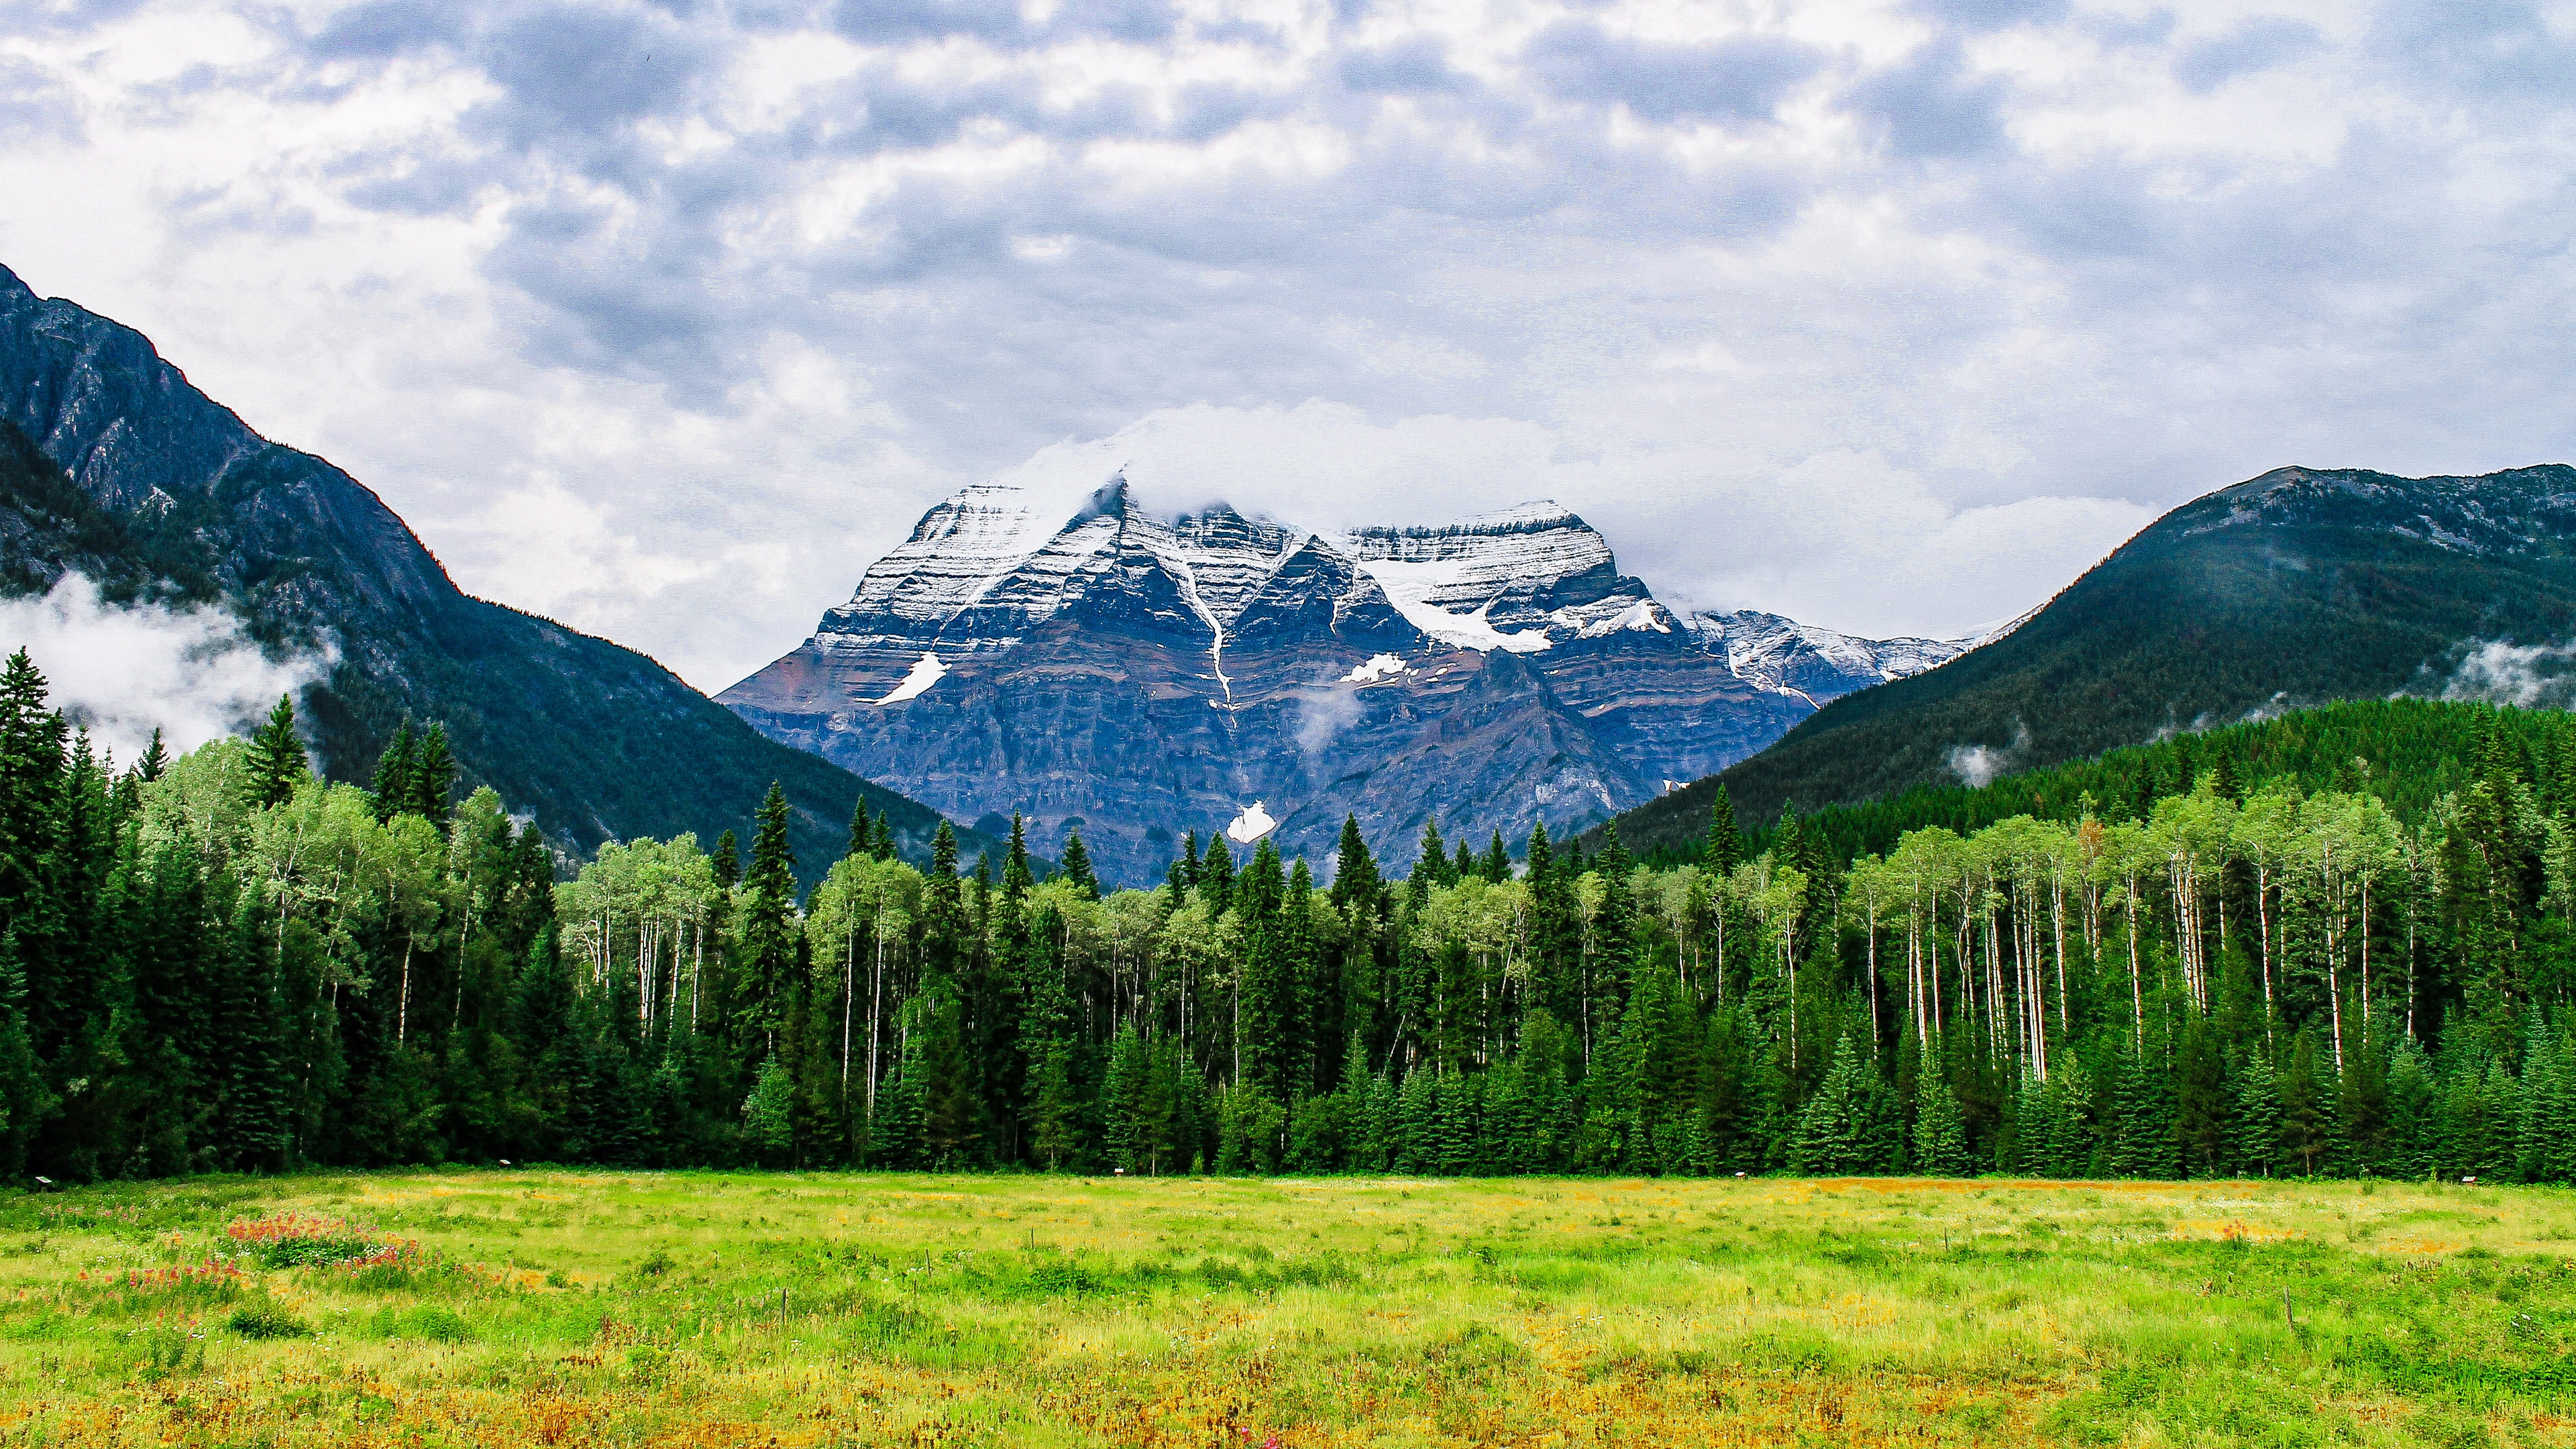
column 2408, row 752
column 2300, row 587
column 112, row 464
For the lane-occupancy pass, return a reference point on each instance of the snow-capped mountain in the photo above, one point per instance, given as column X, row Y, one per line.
column 1071, row 655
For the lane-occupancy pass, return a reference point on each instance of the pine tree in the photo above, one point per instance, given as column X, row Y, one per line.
column 277, row 760
column 769, row 934
column 1940, row 1138
column 1723, row 850
column 1417, row 1113
column 1355, row 877
column 1431, row 868
column 1498, row 860
column 2307, row 1110
column 392, row 783
column 1216, row 874
column 728, row 861
column 433, row 775
column 768, row 1113
column 1833, row 1137
column 2254, row 1128
column 156, row 758
column 862, row 833
column 1076, row 866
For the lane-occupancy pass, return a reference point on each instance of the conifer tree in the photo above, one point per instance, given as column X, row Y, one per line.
column 768, row 935
column 1940, row 1138
column 156, row 758
column 2254, row 1128
column 277, row 760
column 863, row 838
column 1355, row 877
column 1216, row 874
column 728, row 861
column 1498, row 860
column 1075, row 865
column 392, row 783
column 1431, row 868
column 433, row 775
column 1723, row 850
column 1833, row 1131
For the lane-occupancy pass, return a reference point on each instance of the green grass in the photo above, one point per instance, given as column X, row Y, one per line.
column 553, row 1307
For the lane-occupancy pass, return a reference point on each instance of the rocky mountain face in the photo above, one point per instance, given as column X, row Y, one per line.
column 110, row 462
column 1075, row 657
column 2301, row 587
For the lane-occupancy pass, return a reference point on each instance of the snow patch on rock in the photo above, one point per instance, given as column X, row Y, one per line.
column 1251, row 825
column 1378, row 667
column 926, row 671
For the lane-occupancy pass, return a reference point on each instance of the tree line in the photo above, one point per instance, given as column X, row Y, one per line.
column 220, row 962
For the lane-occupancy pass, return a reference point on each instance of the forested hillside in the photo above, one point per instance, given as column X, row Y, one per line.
column 222, row 962
column 2408, row 752
column 2298, row 588
column 113, row 465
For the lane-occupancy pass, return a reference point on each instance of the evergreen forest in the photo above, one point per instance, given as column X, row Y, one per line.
column 2213, row 958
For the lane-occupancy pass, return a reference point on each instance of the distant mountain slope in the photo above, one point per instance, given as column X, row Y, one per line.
column 2300, row 587
column 1055, row 647
column 156, row 488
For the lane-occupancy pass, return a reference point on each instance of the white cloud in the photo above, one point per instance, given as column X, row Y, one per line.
column 2501, row 672
column 1879, row 313
column 123, row 672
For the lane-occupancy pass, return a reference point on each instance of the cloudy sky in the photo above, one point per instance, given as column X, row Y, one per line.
column 665, row 319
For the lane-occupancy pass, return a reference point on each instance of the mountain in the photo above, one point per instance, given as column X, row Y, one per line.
column 111, row 463
column 1054, row 647
column 2301, row 587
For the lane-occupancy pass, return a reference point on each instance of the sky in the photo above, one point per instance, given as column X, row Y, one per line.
column 666, row 320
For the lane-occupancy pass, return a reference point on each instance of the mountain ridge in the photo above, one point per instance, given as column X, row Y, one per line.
column 1064, row 650
column 594, row 740
column 2299, row 586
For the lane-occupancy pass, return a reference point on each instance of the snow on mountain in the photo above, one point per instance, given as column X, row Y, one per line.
column 1780, row 654
column 1045, row 643
column 1523, row 579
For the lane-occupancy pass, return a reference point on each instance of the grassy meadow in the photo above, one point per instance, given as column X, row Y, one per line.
column 576, row 1308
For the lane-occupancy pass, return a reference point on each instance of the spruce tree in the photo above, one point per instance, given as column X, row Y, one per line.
column 1076, row 866
column 862, row 833
column 1216, row 875
column 277, row 759
column 1431, row 867
column 392, row 783
column 2254, row 1128
column 769, row 934
column 1498, row 860
column 1723, row 850
column 1833, row 1137
column 1940, row 1137
column 156, row 758
column 727, row 861
column 433, row 775
column 1355, row 877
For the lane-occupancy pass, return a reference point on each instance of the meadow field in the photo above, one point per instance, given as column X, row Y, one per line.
column 577, row 1308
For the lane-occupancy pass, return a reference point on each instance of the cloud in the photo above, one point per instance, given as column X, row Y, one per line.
column 1932, row 107
column 2256, row 46
column 1743, row 78
column 1887, row 314
column 1978, row 766
column 2500, row 672
column 122, row 672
